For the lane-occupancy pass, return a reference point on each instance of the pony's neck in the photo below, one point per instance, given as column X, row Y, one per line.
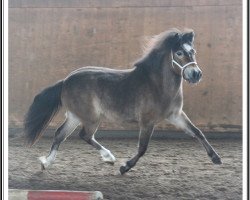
column 168, row 81
column 157, row 66
column 170, row 77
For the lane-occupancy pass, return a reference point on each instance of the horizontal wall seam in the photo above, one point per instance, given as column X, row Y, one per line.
column 141, row 7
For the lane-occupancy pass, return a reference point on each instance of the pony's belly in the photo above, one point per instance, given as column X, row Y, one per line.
column 119, row 119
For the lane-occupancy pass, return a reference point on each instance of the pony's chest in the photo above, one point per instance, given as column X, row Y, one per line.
column 172, row 106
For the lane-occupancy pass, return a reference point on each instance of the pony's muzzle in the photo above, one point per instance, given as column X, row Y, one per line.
column 197, row 74
column 192, row 75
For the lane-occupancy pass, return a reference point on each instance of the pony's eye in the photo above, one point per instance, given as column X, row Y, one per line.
column 193, row 51
column 179, row 53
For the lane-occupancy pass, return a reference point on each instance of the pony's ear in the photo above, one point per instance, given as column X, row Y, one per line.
column 176, row 40
column 188, row 37
column 177, row 37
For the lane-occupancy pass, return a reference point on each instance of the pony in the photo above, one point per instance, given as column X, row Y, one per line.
column 144, row 95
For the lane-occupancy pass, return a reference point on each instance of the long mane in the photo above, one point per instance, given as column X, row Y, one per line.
column 156, row 48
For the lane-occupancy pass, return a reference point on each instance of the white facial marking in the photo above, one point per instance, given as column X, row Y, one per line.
column 187, row 47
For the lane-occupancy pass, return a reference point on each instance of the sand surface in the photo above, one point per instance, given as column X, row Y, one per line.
column 171, row 169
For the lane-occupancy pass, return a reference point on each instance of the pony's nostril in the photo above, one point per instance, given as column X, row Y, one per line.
column 199, row 74
column 195, row 74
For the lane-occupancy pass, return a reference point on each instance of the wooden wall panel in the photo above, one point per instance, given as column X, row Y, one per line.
column 49, row 39
column 118, row 3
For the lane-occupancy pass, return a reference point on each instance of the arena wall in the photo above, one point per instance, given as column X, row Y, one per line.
column 50, row 38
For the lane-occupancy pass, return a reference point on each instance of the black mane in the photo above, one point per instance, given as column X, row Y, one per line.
column 157, row 48
column 160, row 45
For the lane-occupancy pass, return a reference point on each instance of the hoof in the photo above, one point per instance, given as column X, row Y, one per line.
column 216, row 160
column 124, row 169
column 42, row 167
column 44, row 163
column 107, row 156
column 110, row 162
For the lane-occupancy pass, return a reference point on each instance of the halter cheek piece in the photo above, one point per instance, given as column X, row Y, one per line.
column 182, row 68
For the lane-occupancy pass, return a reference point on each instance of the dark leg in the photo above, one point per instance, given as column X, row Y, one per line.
column 183, row 122
column 145, row 135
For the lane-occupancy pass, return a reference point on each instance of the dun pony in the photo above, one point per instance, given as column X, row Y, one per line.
column 144, row 95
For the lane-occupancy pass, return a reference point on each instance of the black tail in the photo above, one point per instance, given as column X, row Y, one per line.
column 43, row 109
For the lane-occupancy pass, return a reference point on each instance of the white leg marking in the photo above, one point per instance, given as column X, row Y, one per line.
column 52, row 156
column 107, row 156
column 71, row 124
column 47, row 161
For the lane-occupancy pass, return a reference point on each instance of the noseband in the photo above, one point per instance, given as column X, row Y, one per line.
column 182, row 68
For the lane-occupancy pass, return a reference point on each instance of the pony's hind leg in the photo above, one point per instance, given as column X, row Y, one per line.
column 87, row 134
column 61, row 134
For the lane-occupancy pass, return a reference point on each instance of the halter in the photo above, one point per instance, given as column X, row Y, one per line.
column 181, row 67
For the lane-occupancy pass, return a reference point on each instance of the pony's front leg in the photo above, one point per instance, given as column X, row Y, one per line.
column 182, row 121
column 145, row 135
